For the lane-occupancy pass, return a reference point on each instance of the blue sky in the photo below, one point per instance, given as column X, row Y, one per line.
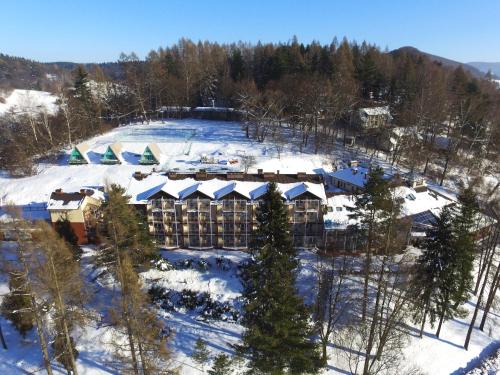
column 96, row 31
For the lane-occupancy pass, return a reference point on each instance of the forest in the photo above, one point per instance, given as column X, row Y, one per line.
column 313, row 89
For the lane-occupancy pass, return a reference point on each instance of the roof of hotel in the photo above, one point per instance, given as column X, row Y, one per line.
column 142, row 190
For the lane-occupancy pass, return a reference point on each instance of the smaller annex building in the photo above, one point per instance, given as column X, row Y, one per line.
column 352, row 179
column 113, row 154
column 151, row 155
column 79, row 154
column 80, row 209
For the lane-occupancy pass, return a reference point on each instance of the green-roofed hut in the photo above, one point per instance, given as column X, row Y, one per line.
column 151, row 155
column 79, row 154
column 112, row 154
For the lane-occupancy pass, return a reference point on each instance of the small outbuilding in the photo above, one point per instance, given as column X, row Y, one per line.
column 79, row 154
column 80, row 209
column 151, row 155
column 113, row 154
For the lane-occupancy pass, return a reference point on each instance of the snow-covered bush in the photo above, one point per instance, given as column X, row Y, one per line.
column 188, row 299
column 163, row 265
column 223, row 263
column 184, row 264
column 203, row 265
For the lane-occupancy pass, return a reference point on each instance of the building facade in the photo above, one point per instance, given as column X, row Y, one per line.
column 216, row 213
column 80, row 209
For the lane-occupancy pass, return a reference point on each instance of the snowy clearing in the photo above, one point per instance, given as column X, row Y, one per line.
column 27, row 102
column 182, row 143
column 216, row 273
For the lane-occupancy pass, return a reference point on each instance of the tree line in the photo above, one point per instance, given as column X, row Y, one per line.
column 303, row 95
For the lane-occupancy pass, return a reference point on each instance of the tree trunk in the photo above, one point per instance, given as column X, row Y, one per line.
column 62, row 312
column 143, row 362
column 478, row 305
column 125, row 309
column 324, row 356
column 485, row 259
column 441, row 319
column 4, row 344
column 373, row 325
column 38, row 320
column 423, row 323
column 491, row 296
column 445, row 170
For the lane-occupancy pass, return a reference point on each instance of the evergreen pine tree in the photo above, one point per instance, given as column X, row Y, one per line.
column 81, row 84
column 430, row 270
column 463, row 226
column 278, row 332
column 201, row 353
column 455, row 279
column 373, row 207
column 16, row 306
column 64, row 229
column 222, row 366
column 124, row 227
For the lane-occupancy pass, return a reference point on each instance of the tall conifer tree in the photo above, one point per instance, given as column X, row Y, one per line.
column 277, row 321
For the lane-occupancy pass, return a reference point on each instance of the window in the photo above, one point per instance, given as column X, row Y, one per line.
column 330, row 209
column 339, row 209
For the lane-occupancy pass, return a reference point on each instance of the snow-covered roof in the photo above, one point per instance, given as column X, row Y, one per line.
column 357, row 176
column 142, row 190
column 71, row 201
column 414, row 203
column 375, row 111
column 417, row 202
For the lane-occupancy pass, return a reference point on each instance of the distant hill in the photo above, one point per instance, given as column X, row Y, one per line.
column 486, row 66
column 21, row 73
column 17, row 72
column 442, row 60
column 112, row 70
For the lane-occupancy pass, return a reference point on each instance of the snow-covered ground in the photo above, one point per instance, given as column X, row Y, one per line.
column 182, row 143
column 27, row 101
column 217, row 273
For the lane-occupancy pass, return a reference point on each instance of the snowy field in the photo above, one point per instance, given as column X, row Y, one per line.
column 27, row 101
column 182, row 143
column 216, row 273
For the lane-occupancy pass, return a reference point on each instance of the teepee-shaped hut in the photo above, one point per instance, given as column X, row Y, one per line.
column 112, row 154
column 151, row 155
column 79, row 154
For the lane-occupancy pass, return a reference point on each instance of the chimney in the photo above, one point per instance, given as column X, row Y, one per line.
column 59, row 191
column 260, row 171
column 278, row 172
column 83, row 191
column 354, row 170
column 137, row 175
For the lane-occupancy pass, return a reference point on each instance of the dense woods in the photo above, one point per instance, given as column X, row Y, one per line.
column 289, row 93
